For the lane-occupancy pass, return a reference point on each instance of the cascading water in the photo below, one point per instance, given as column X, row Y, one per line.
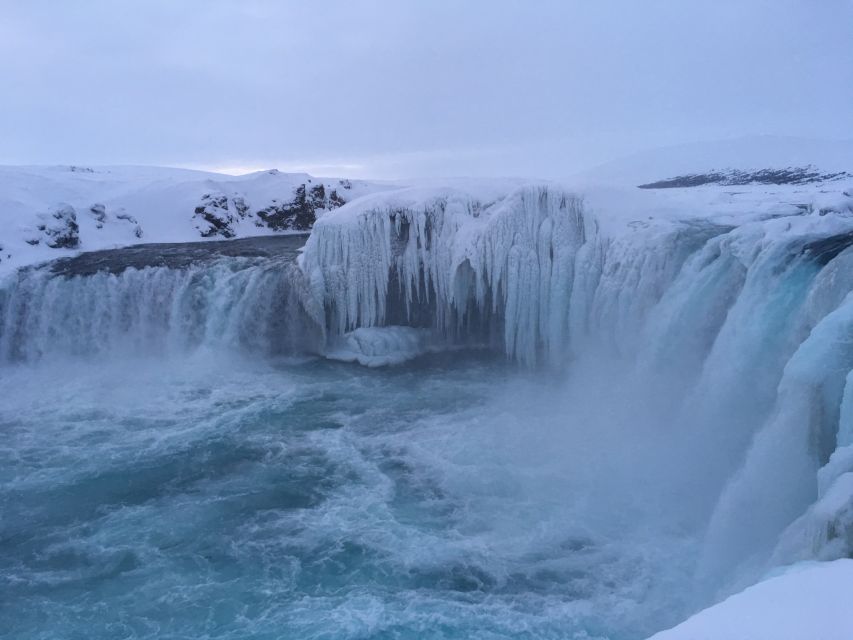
column 121, row 305
column 743, row 326
column 682, row 421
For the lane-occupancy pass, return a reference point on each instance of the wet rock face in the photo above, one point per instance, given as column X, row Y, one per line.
column 60, row 228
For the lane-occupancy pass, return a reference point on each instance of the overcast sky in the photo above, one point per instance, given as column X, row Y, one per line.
column 400, row 88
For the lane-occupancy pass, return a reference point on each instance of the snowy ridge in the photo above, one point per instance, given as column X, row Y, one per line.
column 739, row 178
column 51, row 212
column 747, row 155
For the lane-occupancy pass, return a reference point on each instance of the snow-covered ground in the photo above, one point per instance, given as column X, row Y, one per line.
column 806, row 602
column 51, row 212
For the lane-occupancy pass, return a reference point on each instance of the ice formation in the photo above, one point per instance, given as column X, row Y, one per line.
column 465, row 260
column 381, row 346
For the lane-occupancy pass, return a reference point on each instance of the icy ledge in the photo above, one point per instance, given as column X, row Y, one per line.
column 531, row 269
column 810, row 601
column 452, row 260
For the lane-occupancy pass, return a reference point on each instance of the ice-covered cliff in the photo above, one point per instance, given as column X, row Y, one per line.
column 734, row 303
column 539, row 269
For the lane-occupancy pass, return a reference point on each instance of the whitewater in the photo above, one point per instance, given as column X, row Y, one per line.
column 474, row 409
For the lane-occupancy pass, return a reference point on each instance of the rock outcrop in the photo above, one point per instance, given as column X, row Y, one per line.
column 218, row 213
column 59, row 228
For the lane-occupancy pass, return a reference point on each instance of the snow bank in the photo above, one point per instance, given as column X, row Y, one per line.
column 52, row 212
column 808, row 602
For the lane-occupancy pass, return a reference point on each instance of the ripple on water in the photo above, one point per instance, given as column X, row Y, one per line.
column 308, row 500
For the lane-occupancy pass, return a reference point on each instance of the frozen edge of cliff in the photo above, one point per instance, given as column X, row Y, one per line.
column 510, row 251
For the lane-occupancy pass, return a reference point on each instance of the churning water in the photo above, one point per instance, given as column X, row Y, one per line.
column 224, row 498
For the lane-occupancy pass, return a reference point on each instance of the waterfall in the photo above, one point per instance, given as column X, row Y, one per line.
column 744, row 330
column 251, row 304
column 747, row 326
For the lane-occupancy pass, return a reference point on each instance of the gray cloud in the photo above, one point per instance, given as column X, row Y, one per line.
column 413, row 88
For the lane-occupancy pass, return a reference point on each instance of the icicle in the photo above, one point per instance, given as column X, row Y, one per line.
column 516, row 253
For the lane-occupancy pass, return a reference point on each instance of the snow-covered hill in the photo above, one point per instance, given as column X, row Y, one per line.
column 50, row 212
column 748, row 154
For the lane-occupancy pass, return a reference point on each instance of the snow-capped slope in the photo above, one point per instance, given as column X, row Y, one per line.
column 807, row 602
column 747, row 154
column 49, row 212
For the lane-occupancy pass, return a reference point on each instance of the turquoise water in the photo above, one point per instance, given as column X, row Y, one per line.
column 218, row 497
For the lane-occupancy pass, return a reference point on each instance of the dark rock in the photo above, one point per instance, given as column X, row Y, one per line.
column 240, row 206
column 215, row 213
column 825, row 249
column 298, row 214
column 335, row 200
column 121, row 215
column 60, row 228
column 98, row 211
column 735, row 177
column 318, row 196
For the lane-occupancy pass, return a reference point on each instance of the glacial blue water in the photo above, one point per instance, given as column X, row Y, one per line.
column 218, row 496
